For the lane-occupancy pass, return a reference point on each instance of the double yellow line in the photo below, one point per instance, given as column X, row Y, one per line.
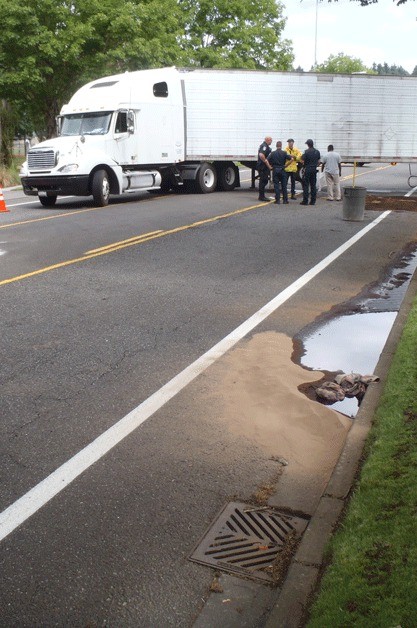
column 135, row 240
column 109, row 248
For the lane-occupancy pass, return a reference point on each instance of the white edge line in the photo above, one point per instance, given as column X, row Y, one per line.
column 411, row 192
column 18, row 512
column 34, row 201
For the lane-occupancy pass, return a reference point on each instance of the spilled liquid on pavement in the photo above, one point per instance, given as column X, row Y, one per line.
column 352, row 342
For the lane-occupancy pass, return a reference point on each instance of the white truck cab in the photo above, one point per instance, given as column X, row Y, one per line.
column 118, row 134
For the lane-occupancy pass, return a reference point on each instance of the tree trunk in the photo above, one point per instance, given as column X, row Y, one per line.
column 6, row 134
column 53, row 111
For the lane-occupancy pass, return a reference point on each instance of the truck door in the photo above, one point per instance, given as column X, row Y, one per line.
column 125, row 137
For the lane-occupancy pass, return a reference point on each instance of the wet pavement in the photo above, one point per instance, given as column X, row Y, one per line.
column 351, row 337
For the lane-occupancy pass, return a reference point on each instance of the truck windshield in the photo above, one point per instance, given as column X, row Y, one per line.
column 86, row 123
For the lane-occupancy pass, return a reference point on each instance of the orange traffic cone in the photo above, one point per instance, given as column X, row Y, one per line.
column 3, row 207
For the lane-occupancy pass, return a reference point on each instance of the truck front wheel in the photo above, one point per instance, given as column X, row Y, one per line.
column 206, row 180
column 48, row 201
column 100, row 188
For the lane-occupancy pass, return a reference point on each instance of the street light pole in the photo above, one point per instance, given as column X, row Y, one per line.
column 315, row 37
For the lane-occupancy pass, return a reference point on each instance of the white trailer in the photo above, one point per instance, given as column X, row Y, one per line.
column 171, row 127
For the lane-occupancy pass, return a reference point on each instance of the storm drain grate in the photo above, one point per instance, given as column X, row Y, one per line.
column 248, row 540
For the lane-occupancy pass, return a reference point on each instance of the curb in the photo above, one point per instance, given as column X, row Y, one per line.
column 16, row 187
column 294, row 598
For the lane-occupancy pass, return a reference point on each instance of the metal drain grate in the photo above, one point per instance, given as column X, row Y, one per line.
column 247, row 540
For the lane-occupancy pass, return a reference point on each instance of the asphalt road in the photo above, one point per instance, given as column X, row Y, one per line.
column 100, row 308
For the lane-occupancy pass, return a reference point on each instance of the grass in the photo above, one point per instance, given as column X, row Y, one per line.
column 10, row 176
column 372, row 576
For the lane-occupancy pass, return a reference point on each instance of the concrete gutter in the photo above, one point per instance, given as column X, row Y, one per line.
column 293, row 599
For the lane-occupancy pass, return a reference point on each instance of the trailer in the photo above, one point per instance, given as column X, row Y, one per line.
column 191, row 128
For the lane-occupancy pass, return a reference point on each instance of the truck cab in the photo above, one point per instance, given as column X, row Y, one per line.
column 117, row 134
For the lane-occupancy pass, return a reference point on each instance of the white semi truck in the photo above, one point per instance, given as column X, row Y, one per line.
column 169, row 127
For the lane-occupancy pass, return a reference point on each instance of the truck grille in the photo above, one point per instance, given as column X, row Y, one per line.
column 41, row 159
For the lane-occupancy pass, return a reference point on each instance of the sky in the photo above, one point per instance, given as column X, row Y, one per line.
column 379, row 33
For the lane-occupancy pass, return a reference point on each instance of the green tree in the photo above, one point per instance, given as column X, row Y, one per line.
column 342, row 64
column 391, row 70
column 236, row 34
column 365, row 3
column 49, row 48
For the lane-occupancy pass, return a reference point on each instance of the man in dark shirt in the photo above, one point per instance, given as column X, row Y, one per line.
column 277, row 159
column 263, row 168
column 310, row 161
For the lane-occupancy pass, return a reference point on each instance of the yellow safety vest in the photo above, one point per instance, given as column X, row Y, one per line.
column 292, row 165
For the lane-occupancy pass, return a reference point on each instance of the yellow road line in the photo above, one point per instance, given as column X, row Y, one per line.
column 362, row 174
column 116, row 246
column 132, row 240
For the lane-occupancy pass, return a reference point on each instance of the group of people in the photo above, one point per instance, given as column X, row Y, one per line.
column 286, row 164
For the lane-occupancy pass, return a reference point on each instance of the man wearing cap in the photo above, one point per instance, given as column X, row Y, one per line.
column 292, row 167
column 310, row 160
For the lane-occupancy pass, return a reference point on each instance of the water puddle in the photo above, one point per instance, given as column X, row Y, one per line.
column 351, row 338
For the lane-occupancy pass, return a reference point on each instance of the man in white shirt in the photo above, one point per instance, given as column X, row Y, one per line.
column 331, row 164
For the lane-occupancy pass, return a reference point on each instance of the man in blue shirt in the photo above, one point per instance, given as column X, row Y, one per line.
column 277, row 159
column 310, row 161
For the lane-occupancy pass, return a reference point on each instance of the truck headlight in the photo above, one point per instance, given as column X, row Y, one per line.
column 23, row 169
column 68, row 168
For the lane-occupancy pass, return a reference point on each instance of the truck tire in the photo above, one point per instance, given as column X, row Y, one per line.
column 48, row 201
column 100, row 188
column 227, row 177
column 206, row 179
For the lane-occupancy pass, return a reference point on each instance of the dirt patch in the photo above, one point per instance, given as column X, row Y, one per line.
column 393, row 203
column 279, row 567
column 264, row 492
column 215, row 586
column 257, row 384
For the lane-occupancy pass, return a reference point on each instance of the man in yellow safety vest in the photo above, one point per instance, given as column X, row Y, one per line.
column 292, row 166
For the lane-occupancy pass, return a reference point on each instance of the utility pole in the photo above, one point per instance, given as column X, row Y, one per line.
column 315, row 37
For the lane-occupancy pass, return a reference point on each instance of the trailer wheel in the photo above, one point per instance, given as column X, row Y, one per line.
column 48, row 201
column 100, row 188
column 227, row 177
column 206, row 179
